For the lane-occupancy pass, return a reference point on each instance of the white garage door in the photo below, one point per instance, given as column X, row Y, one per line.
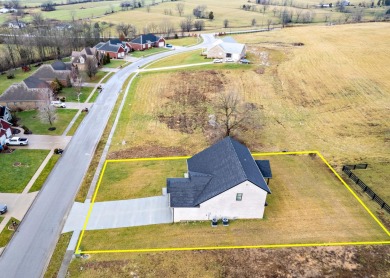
column 161, row 44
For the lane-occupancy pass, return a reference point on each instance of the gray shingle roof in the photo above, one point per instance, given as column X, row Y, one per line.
column 145, row 38
column 20, row 92
column 108, row 47
column 213, row 171
column 265, row 168
column 33, row 82
column 59, row 65
column 47, row 72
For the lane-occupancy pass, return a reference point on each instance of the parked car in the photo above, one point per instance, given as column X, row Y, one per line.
column 3, row 208
column 16, row 141
column 58, row 104
column 245, row 61
column 229, row 60
column 169, row 45
column 217, row 61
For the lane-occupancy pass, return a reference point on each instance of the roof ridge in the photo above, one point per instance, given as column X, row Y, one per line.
column 236, row 155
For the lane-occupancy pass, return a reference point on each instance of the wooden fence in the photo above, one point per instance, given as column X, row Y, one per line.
column 348, row 170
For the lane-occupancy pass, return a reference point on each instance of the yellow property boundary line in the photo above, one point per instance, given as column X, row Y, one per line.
column 78, row 251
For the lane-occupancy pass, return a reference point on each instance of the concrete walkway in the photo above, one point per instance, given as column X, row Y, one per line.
column 120, row 214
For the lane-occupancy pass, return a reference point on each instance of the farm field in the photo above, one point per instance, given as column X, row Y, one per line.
column 297, row 212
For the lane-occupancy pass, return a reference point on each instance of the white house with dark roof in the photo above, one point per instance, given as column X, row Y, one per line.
column 5, row 131
column 226, row 48
column 222, row 181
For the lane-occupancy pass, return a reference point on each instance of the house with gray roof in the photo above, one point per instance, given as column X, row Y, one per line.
column 79, row 58
column 147, row 41
column 222, row 181
column 57, row 69
column 31, row 93
column 116, row 51
column 226, row 48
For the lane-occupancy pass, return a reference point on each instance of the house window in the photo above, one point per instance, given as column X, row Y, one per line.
column 239, row 197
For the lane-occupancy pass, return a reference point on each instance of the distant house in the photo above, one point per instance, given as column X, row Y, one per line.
column 31, row 93
column 124, row 44
column 5, row 131
column 147, row 41
column 5, row 10
column 58, row 69
column 63, row 26
column 16, row 24
column 226, row 48
column 222, row 181
column 79, row 57
column 5, row 113
column 114, row 50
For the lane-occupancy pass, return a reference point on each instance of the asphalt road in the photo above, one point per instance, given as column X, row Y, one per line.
column 29, row 251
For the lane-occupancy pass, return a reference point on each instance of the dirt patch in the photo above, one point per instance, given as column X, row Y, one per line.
column 186, row 109
column 148, row 151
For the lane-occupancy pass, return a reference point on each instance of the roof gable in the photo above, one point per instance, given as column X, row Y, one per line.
column 214, row 171
column 108, row 47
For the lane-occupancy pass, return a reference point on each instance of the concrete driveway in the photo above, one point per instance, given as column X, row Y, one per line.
column 44, row 142
column 119, row 214
column 78, row 105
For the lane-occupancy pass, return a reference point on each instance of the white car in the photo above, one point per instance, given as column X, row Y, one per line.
column 58, row 104
column 16, row 141
column 215, row 61
column 229, row 60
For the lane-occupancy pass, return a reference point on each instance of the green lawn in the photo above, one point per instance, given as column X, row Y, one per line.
column 45, row 173
column 6, row 234
column 1, row 218
column 308, row 204
column 58, row 255
column 148, row 52
column 76, row 124
column 71, row 95
column 187, row 41
column 125, row 180
column 192, row 57
column 95, row 79
column 18, row 167
column 114, row 63
column 31, row 120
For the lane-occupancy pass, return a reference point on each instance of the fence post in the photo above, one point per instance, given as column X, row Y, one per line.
column 383, row 205
column 357, row 181
column 365, row 189
column 373, row 197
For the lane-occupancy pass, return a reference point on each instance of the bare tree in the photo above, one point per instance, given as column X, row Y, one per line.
column 180, row 8
column 148, row 8
column 232, row 114
column 152, row 27
column 253, row 22
column 199, row 25
column 166, row 27
column 226, row 23
column 187, row 24
column 38, row 20
column 90, row 67
column 78, row 87
column 269, row 23
column 298, row 13
column 47, row 112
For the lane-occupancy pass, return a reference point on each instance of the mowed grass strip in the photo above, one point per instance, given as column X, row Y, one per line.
column 308, row 204
column 185, row 41
column 58, row 255
column 137, row 179
column 76, row 124
column 18, row 167
column 32, row 120
column 148, row 52
column 45, row 173
column 186, row 58
column 114, row 63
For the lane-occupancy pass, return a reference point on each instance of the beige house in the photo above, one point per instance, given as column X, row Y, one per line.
column 226, row 48
column 223, row 181
column 79, row 58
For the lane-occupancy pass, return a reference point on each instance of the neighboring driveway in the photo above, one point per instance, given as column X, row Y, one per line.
column 120, row 214
column 45, row 142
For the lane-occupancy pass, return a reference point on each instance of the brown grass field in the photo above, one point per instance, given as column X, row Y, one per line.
column 330, row 95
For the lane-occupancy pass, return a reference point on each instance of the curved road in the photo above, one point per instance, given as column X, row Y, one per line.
column 29, row 251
